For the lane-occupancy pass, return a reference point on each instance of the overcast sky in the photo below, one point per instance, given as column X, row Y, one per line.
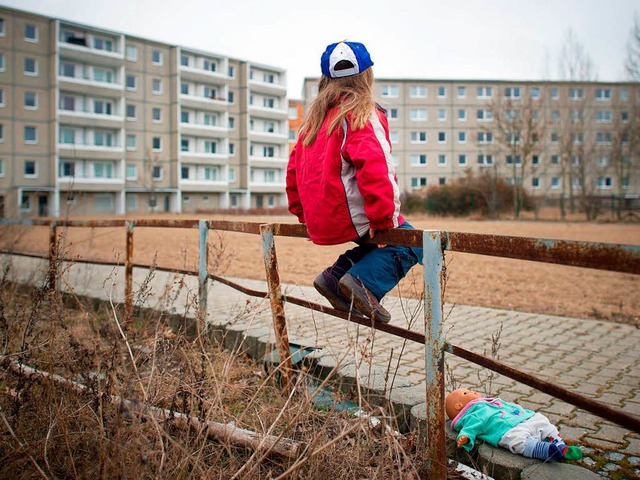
column 462, row 39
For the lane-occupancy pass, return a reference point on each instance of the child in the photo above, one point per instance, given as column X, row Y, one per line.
column 341, row 183
column 507, row 425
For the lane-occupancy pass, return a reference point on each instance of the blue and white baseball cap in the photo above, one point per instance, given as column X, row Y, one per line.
column 352, row 52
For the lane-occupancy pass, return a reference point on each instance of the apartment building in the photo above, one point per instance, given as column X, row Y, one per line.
column 553, row 138
column 94, row 121
column 296, row 116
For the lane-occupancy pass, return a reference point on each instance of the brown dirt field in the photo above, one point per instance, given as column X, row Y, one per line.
column 471, row 279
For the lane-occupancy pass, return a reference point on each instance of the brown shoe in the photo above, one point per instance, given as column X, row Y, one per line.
column 363, row 299
column 336, row 299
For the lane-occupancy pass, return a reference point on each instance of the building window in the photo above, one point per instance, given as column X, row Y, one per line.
column 30, row 33
column 418, row 114
column 418, row 137
column 231, row 71
column 485, row 160
column 1, row 168
column 30, row 134
column 131, row 82
column 156, row 57
column 485, row 138
column 132, row 142
column 442, row 92
column 102, row 138
column 156, row 173
column 535, row 93
column 184, row 173
column 131, row 112
column 555, row 138
column 418, row 91
column 535, row 160
column 230, row 96
column 462, row 115
column 603, row 94
column 418, row 182
column 553, row 93
column 442, row 137
column 232, row 149
column 131, row 53
column 232, row 123
column 603, row 138
column 185, row 60
column 555, row 183
column 605, row 183
column 30, row 169
column 2, row 28
column 66, row 136
column 389, row 91
column 418, row 160
column 156, row 85
column 1, row 62
column 156, row 114
column 462, row 137
column 442, row 159
column 30, row 100
column 30, row 66
column 484, row 115
column 394, row 136
column 102, row 107
column 603, row 116
column 156, row 144
column 484, row 92
column 462, row 92
column 293, row 113
column 576, row 93
column 555, row 159
column 392, row 114
column 462, row 159
column 442, row 114
column 2, row 101
column 1, row 132
column 512, row 92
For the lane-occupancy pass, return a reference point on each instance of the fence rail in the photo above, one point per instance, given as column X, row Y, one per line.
column 602, row 256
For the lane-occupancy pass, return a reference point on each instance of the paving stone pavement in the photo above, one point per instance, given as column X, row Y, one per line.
column 595, row 358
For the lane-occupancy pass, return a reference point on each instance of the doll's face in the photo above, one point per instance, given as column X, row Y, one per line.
column 457, row 399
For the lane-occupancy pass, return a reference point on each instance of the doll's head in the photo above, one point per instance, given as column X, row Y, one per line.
column 457, row 399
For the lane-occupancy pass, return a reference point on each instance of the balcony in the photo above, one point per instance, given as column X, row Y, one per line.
column 269, row 112
column 95, row 152
column 78, row 47
column 86, row 119
column 203, row 158
column 193, row 101
column 268, row 137
column 267, row 87
column 198, row 129
column 201, row 75
column 88, row 86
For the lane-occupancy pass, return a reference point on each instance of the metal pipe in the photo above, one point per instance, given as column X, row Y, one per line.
column 434, row 355
column 277, row 306
column 53, row 257
column 203, row 277
column 128, row 273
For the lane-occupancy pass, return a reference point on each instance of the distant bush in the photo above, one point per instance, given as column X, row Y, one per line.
column 483, row 194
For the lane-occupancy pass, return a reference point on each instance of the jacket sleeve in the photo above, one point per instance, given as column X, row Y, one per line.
column 295, row 206
column 472, row 426
column 370, row 152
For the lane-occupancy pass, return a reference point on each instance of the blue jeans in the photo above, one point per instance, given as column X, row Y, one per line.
column 379, row 269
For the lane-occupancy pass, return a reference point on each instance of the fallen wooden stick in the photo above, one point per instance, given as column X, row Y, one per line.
column 281, row 446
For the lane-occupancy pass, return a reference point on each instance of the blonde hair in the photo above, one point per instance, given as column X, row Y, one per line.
column 354, row 96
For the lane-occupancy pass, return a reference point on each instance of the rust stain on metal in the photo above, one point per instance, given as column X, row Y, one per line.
column 128, row 273
column 602, row 256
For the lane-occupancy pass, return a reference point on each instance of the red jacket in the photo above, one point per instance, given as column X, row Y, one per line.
column 342, row 185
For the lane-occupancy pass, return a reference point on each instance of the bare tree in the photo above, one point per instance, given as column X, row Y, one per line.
column 632, row 61
column 519, row 129
column 573, row 134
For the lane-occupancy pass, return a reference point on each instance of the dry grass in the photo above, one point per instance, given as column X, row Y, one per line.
column 52, row 431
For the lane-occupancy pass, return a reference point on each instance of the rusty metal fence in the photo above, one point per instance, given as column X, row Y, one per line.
column 603, row 256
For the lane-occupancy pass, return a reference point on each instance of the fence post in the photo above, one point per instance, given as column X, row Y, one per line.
column 128, row 273
column 203, row 275
column 53, row 254
column 277, row 306
column 434, row 350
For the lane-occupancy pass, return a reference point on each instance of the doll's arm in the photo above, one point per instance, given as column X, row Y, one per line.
column 462, row 440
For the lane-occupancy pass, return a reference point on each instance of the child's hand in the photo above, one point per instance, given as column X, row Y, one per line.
column 372, row 232
column 462, row 440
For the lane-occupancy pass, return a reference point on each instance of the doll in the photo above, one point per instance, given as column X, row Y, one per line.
column 507, row 425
